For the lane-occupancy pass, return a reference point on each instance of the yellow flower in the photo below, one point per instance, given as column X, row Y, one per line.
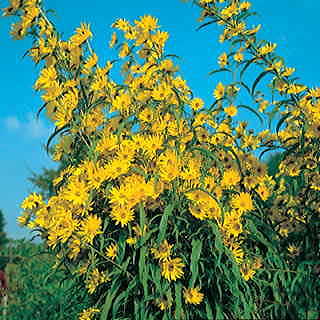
column 131, row 241
column 164, row 251
column 90, row 63
column 212, row 209
column 249, row 268
column 263, row 192
column 151, row 144
column 223, row 60
column 82, row 34
column 242, row 202
column 122, row 215
column 77, row 192
column 47, row 76
column 23, row 219
column 113, row 40
column 32, row 201
column 192, row 295
column 230, row 11
column 293, row 250
column 162, row 92
column 219, row 91
column 288, row 72
column 171, row 269
column 237, row 252
column 121, row 24
column 95, row 279
column 147, row 23
column 250, row 182
column 268, row 48
column 111, row 251
column 11, row 10
column 230, row 178
column 125, row 50
column 196, row 104
column 245, row 5
column 232, row 224
column 74, row 245
column 231, row 110
column 88, row 314
column 296, row 88
column 247, row 272
column 160, row 38
column 198, row 212
column 238, row 57
column 107, row 143
column 162, row 304
column 90, row 227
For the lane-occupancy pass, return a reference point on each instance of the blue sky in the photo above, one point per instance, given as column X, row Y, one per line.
column 292, row 24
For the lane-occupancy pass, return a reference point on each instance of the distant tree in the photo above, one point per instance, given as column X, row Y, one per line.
column 43, row 181
column 3, row 236
column 273, row 163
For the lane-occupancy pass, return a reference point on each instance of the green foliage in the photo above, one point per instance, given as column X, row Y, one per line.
column 3, row 235
column 43, row 181
column 36, row 289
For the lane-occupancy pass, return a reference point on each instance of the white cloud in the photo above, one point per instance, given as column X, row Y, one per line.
column 12, row 123
column 31, row 126
column 36, row 127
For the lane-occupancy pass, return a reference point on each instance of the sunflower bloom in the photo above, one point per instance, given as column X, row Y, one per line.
column 82, row 34
column 88, row 314
column 111, row 251
column 90, row 228
column 193, row 295
column 219, row 91
column 122, row 215
column 171, row 269
column 243, row 202
column 164, row 251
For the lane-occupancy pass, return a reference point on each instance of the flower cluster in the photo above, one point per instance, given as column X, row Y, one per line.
column 153, row 170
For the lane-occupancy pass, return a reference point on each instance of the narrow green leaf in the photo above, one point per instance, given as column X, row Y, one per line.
column 178, row 289
column 281, row 121
column 219, row 313
column 218, row 70
column 259, row 78
column 252, row 110
column 109, row 300
column 142, row 216
column 143, row 272
column 247, row 64
column 40, row 110
column 209, row 313
column 195, row 256
column 164, row 222
column 206, row 24
column 54, row 134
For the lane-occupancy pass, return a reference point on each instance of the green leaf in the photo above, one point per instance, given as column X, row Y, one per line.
column 40, row 110
column 143, row 270
column 259, row 78
column 53, row 135
column 247, row 64
column 195, row 256
column 281, row 121
column 252, row 110
column 218, row 70
column 219, row 312
column 178, row 289
column 209, row 313
column 109, row 299
column 206, row 24
column 164, row 222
